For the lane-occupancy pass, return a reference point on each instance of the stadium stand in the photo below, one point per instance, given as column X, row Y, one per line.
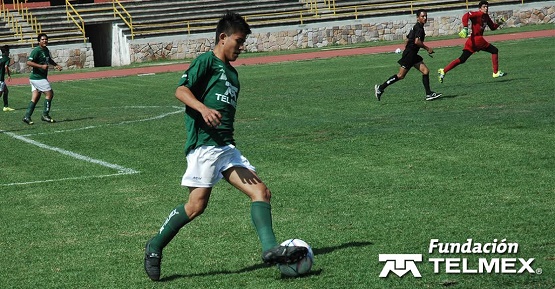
column 142, row 19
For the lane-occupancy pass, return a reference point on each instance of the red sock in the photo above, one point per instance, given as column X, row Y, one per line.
column 452, row 65
column 495, row 62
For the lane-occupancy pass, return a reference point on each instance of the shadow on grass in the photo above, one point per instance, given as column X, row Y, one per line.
column 75, row 119
column 317, row 251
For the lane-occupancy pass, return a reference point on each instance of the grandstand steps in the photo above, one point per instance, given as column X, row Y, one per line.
column 151, row 18
column 170, row 17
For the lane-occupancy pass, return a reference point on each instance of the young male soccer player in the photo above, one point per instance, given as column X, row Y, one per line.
column 39, row 59
column 410, row 58
column 476, row 42
column 209, row 89
column 5, row 69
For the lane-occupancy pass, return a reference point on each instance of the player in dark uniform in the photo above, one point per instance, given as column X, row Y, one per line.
column 476, row 42
column 410, row 58
column 5, row 69
column 209, row 89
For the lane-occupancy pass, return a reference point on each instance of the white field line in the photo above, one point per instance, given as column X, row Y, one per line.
column 121, row 170
column 68, row 179
column 181, row 109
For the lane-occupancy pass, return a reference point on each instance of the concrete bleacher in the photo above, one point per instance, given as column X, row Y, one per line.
column 151, row 18
column 166, row 17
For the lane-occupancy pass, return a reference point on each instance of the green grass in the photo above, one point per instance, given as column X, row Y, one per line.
column 352, row 176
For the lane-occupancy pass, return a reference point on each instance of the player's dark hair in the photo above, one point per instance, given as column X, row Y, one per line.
column 419, row 11
column 40, row 36
column 231, row 23
column 482, row 3
column 5, row 49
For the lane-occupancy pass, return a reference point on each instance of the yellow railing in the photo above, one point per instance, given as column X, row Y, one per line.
column 392, row 7
column 207, row 23
column 77, row 19
column 128, row 20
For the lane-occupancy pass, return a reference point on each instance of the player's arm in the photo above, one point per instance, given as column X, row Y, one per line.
column 32, row 63
column 492, row 25
column 465, row 19
column 7, row 70
column 53, row 63
column 211, row 117
column 421, row 44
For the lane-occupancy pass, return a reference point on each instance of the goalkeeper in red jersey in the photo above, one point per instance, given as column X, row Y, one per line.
column 476, row 42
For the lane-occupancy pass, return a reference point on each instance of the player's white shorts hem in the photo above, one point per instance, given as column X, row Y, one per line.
column 41, row 85
column 205, row 165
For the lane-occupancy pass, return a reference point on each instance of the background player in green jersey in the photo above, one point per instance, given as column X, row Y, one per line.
column 209, row 89
column 5, row 69
column 39, row 59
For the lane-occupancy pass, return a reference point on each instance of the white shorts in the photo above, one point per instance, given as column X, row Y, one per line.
column 41, row 85
column 205, row 165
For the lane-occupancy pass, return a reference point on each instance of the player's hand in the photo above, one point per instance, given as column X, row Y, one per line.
column 500, row 20
column 58, row 67
column 212, row 117
column 463, row 33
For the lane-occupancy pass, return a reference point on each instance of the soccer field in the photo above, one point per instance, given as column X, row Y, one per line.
column 352, row 176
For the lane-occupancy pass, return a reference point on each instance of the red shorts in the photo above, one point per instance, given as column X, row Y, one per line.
column 476, row 43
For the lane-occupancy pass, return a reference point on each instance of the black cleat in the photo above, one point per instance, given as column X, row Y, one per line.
column 433, row 95
column 377, row 92
column 153, row 261
column 284, row 254
column 28, row 120
column 47, row 118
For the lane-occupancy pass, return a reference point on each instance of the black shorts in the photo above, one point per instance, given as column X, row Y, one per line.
column 409, row 59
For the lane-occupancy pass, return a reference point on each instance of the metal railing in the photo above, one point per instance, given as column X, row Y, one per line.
column 128, row 20
column 77, row 19
column 313, row 9
column 354, row 11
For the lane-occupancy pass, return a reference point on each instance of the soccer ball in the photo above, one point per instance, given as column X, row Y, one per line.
column 398, row 50
column 302, row 266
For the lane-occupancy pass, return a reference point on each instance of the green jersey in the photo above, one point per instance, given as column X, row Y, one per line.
column 39, row 56
column 216, row 84
column 4, row 61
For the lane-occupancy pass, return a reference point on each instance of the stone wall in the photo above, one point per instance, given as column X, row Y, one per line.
column 292, row 37
column 336, row 33
column 73, row 56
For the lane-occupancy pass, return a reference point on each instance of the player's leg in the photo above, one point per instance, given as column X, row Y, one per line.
column 35, row 96
column 430, row 95
column 495, row 60
column 48, row 96
column 4, row 92
column 201, row 175
column 379, row 89
column 178, row 217
column 461, row 60
column 248, row 182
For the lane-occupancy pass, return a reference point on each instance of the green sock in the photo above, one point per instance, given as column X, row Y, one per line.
column 261, row 214
column 47, row 104
column 175, row 221
column 30, row 109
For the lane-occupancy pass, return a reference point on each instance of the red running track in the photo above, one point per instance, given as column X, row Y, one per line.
column 280, row 58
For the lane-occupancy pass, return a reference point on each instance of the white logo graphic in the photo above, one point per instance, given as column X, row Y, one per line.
column 400, row 264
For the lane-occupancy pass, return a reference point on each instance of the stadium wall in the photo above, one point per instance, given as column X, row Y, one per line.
column 336, row 33
column 283, row 38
